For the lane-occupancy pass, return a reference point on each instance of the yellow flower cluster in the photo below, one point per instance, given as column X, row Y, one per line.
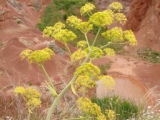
column 90, row 109
column 108, row 82
column 115, row 34
column 78, row 55
column 50, row 31
column 108, row 11
column 102, row 18
column 116, row 6
column 38, row 56
column 87, row 8
column 95, row 52
column 25, row 53
column 110, row 115
column 58, row 32
column 129, row 35
column 30, row 95
column 85, row 27
column 83, row 83
column 65, row 35
column 73, row 21
column 88, row 69
column 82, row 44
column 109, row 51
column 121, row 18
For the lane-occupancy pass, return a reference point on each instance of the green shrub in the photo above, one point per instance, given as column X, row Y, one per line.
column 149, row 55
column 53, row 13
column 124, row 108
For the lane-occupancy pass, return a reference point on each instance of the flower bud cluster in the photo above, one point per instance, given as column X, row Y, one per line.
column 116, row 6
column 50, row 31
column 82, row 44
column 87, row 8
column 73, row 21
column 109, row 51
column 108, row 82
column 88, row 69
column 65, row 36
column 78, row 55
column 115, row 34
column 38, row 56
column 83, row 83
column 129, row 35
column 90, row 109
column 30, row 95
column 95, row 52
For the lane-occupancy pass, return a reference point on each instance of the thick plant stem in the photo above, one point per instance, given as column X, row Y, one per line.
column 57, row 99
column 96, row 36
column 49, row 79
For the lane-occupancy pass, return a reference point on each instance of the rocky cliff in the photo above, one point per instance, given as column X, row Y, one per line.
column 144, row 20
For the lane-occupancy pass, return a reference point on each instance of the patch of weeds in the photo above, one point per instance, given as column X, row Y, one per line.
column 58, row 10
column 104, row 68
column 124, row 108
column 68, row 4
column 149, row 55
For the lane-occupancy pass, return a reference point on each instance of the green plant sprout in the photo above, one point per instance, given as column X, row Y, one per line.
column 86, row 74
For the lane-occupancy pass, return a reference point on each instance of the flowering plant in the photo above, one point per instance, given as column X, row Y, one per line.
column 85, row 75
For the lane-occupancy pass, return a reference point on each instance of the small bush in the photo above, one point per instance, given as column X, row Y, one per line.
column 149, row 55
column 124, row 108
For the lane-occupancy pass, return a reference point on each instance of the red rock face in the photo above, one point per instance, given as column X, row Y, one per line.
column 17, row 33
column 144, row 19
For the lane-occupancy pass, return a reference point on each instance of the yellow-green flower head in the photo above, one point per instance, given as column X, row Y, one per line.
column 114, row 35
column 109, row 51
column 73, row 21
column 101, row 19
column 116, row 6
column 34, row 102
column 101, row 117
column 110, row 114
column 88, row 108
column 121, row 18
column 95, row 52
column 32, row 93
column 108, row 11
column 88, row 69
column 83, row 83
column 78, row 55
column 87, row 8
column 59, row 25
column 20, row 90
column 108, row 82
column 65, row 36
column 50, row 31
column 40, row 56
column 25, row 53
column 85, row 27
column 82, row 44
column 129, row 35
